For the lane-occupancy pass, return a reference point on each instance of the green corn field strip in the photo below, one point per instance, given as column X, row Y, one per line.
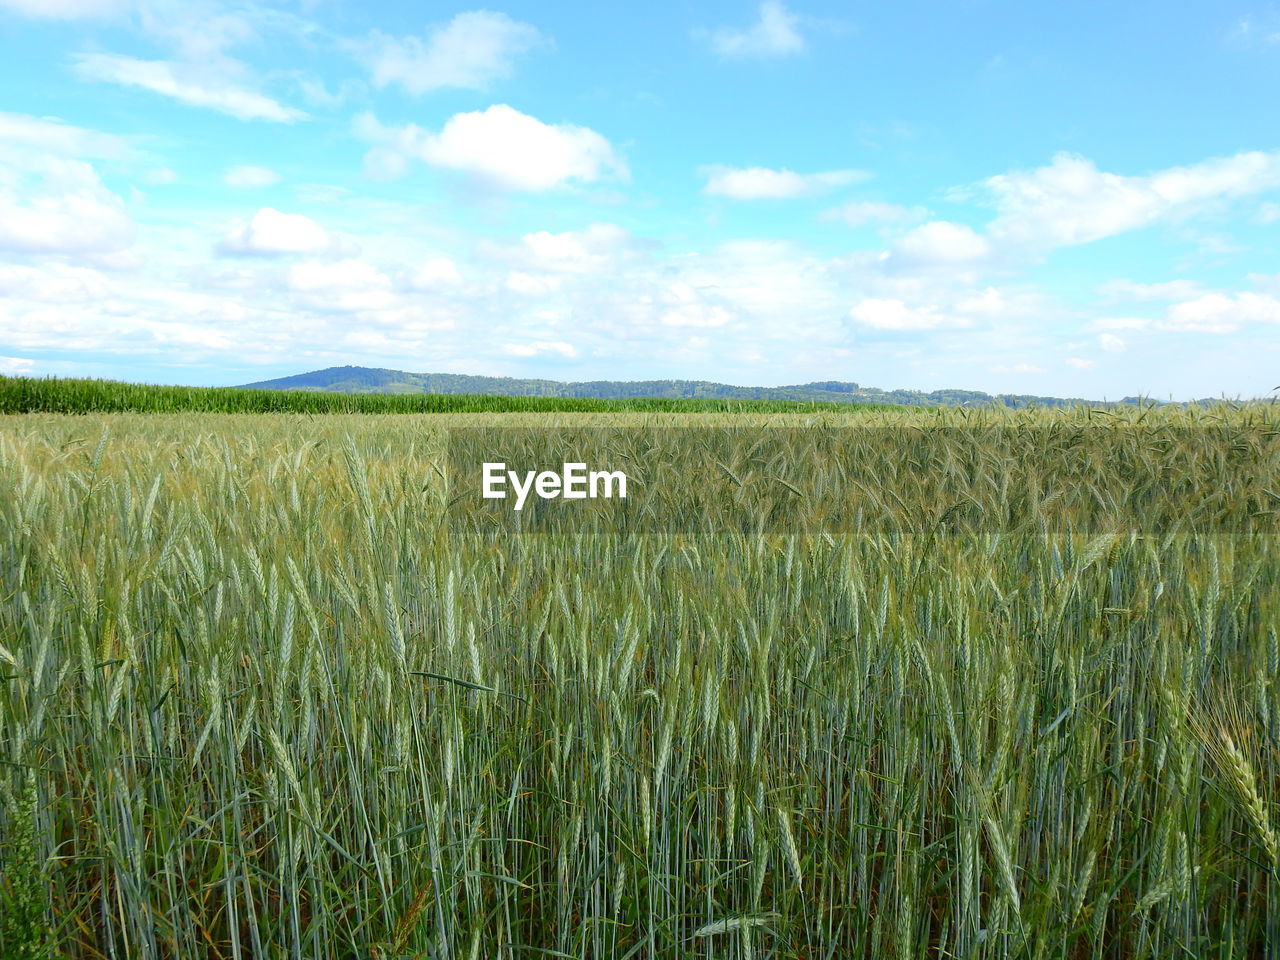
column 59, row 395
column 261, row 697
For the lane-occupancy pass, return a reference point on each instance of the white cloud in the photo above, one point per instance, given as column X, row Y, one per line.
column 64, row 209
column 538, row 347
column 883, row 314
column 940, row 242
column 531, row 284
column 1080, row 363
column 335, row 311
column 435, row 272
column 1128, row 290
column 1222, row 313
column 16, row 366
column 315, row 92
column 1248, row 30
column 989, row 302
column 747, row 296
column 1266, row 282
column 201, row 31
column 196, row 87
column 146, row 323
column 122, row 260
column 160, row 176
column 862, row 213
column 594, row 250
column 1120, row 323
column 347, row 285
column 52, row 135
column 1016, row 368
column 1071, row 202
column 766, row 280
column 774, row 34
column 756, row 183
column 683, row 305
column 273, row 233
column 249, row 177
column 52, row 283
column 471, row 51
column 695, row 315
column 67, row 9
column 500, row 145
column 1111, row 343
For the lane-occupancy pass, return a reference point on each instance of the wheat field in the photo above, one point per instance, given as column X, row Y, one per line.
column 267, row 692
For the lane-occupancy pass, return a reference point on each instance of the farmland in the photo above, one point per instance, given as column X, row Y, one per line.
column 269, row 689
column 71, row 395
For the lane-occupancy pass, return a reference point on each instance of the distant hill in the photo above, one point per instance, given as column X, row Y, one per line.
column 375, row 380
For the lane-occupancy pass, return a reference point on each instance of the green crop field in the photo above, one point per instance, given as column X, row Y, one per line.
column 68, row 395
column 267, row 690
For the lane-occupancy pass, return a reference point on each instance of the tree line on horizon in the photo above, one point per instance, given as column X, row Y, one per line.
column 352, row 379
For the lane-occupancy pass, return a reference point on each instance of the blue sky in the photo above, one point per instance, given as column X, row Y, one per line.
column 1071, row 199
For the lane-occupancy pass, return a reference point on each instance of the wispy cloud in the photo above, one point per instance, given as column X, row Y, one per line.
column 539, row 347
column 885, row 314
column 186, row 84
column 67, row 9
column 1120, row 290
column 774, row 34
column 247, row 177
column 16, row 365
column 1111, row 343
column 469, row 52
column 1256, row 29
column 55, row 136
column 865, row 213
column 757, row 183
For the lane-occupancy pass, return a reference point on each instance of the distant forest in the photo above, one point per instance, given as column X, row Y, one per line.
column 374, row 380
